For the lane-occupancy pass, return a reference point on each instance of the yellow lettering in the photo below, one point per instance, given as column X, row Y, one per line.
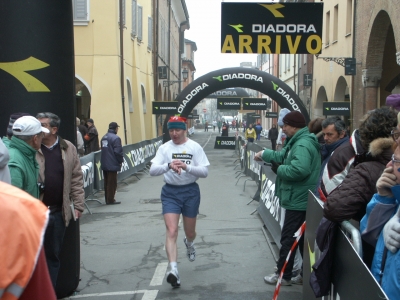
column 245, row 42
column 229, row 45
column 318, row 41
column 293, row 48
column 263, row 44
column 278, row 44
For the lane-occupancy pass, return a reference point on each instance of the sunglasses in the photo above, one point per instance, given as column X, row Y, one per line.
column 395, row 161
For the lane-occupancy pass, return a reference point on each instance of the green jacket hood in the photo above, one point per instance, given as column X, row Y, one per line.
column 305, row 134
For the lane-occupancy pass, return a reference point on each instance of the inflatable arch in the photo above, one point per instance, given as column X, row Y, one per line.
column 238, row 77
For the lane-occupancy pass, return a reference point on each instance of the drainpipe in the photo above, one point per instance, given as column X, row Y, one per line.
column 121, row 41
column 354, row 56
column 169, row 45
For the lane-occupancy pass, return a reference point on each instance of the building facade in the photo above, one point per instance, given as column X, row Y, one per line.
column 377, row 51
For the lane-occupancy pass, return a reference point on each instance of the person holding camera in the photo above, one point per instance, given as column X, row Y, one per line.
column 62, row 189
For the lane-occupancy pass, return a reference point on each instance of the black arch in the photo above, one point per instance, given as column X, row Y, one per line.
column 238, row 77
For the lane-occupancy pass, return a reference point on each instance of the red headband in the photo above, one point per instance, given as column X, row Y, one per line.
column 177, row 119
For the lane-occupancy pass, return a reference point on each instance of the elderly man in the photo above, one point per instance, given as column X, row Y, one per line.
column 61, row 176
column 112, row 157
column 26, row 140
column 297, row 167
column 182, row 161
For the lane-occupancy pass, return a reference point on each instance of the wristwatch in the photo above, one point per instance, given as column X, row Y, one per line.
column 169, row 166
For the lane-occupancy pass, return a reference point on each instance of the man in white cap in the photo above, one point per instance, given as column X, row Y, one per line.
column 24, row 169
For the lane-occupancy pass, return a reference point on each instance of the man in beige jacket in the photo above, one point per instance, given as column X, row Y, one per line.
column 61, row 182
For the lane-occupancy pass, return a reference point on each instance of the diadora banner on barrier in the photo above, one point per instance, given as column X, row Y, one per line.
column 271, row 28
column 225, row 142
column 37, row 61
column 136, row 157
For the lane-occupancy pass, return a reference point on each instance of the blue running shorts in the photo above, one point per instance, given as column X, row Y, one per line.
column 181, row 199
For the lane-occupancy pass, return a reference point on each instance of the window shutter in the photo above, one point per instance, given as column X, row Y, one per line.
column 80, row 10
column 140, row 23
column 150, row 32
column 134, row 18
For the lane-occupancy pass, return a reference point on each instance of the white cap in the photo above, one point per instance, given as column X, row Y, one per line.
column 28, row 125
column 282, row 114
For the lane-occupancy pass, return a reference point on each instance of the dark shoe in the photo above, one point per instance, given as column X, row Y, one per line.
column 115, row 202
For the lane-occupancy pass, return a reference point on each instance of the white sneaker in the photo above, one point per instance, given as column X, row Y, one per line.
column 273, row 279
column 190, row 250
column 173, row 278
column 297, row 280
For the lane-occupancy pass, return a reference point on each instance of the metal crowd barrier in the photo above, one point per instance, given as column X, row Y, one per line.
column 136, row 159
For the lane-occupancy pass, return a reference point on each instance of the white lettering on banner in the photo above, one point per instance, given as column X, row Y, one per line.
column 167, row 107
column 242, row 76
column 227, row 143
column 282, row 28
column 253, row 166
column 124, row 167
column 288, row 98
column 231, row 103
column 88, row 174
column 271, row 201
column 225, row 93
column 339, row 108
column 190, row 96
column 137, row 156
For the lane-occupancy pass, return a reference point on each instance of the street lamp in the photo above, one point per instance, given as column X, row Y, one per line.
column 185, row 74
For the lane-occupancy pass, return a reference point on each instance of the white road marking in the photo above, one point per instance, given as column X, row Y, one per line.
column 159, row 274
column 150, row 295
column 207, row 141
column 110, row 294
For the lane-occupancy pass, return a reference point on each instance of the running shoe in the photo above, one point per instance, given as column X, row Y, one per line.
column 273, row 279
column 190, row 250
column 173, row 278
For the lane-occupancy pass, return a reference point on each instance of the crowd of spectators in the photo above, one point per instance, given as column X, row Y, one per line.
column 358, row 180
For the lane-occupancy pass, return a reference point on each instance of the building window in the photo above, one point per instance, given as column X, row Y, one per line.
column 144, row 100
column 349, row 16
column 335, row 23
column 80, row 12
column 327, row 29
column 150, row 33
column 130, row 100
column 134, row 19
column 140, row 23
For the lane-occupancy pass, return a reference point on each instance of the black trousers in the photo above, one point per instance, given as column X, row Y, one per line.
column 110, row 185
column 273, row 143
column 293, row 220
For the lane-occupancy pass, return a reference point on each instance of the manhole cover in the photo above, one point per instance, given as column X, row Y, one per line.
column 145, row 201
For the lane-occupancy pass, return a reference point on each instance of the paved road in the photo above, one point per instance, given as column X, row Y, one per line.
column 122, row 246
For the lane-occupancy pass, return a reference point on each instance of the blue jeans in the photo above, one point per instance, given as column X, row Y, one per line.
column 53, row 239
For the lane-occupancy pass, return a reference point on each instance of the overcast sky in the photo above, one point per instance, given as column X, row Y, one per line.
column 205, row 31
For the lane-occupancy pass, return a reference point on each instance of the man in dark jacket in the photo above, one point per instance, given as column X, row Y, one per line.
column 297, row 172
column 112, row 158
column 258, row 129
column 273, row 135
column 91, row 138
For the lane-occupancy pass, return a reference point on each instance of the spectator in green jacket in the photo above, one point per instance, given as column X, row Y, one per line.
column 24, row 169
column 297, row 167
